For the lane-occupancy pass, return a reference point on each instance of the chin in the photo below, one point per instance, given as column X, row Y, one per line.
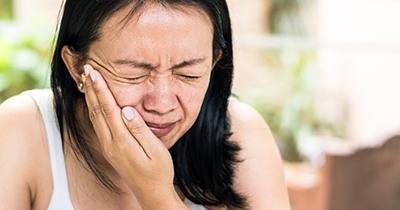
column 168, row 141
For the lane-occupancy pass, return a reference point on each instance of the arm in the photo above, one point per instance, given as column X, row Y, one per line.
column 16, row 170
column 260, row 175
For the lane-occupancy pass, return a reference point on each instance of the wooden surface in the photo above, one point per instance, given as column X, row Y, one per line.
column 368, row 179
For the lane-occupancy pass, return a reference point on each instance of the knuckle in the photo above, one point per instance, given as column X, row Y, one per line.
column 107, row 109
column 96, row 88
column 88, row 85
column 95, row 112
column 136, row 128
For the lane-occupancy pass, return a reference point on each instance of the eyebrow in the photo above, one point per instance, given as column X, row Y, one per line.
column 136, row 64
column 148, row 66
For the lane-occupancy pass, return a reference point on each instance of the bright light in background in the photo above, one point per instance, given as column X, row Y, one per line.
column 43, row 12
column 359, row 57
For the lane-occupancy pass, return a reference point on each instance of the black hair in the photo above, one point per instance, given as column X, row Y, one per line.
column 204, row 159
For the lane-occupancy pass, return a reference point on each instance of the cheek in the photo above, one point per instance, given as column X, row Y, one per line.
column 192, row 98
column 126, row 95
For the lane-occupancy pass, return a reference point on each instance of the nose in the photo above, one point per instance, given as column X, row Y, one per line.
column 161, row 97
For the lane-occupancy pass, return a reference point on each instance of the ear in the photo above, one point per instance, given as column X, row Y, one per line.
column 217, row 57
column 71, row 60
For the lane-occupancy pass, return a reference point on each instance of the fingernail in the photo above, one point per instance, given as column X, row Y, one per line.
column 128, row 113
column 86, row 68
column 92, row 76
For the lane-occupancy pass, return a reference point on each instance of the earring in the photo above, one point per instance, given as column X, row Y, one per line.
column 81, row 85
column 83, row 77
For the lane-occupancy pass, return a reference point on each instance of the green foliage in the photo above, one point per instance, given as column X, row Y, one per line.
column 6, row 9
column 24, row 60
column 288, row 104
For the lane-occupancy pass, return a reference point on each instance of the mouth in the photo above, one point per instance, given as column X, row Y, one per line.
column 161, row 130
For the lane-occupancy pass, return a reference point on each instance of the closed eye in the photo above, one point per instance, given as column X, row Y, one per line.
column 188, row 77
column 135, row 79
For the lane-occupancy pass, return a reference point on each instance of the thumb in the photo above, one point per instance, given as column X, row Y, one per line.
column 138, row 129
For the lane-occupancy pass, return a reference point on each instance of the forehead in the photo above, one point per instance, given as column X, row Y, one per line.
column 152, row 14
column 156, row 33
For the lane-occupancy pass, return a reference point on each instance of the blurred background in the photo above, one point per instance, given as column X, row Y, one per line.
column 325, row 75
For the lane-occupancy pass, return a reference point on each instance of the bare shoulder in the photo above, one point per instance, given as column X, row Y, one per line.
column 246, row 122
column 20, row 131
column 18, row 105
column 18, row 115
column 260, row 173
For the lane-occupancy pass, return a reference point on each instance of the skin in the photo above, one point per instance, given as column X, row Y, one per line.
column 144, row 88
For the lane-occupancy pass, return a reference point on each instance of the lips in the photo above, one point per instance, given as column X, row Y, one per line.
column 161, row 130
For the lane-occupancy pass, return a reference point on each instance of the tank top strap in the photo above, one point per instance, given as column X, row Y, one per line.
column 60, row 198
column 193, row 206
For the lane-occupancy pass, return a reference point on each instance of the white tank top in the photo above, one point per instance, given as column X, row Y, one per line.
column 60, row 198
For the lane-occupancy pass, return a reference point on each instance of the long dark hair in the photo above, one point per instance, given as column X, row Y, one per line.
column 204, row 159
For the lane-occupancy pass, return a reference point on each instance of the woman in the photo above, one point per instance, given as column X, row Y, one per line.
column 142, row 117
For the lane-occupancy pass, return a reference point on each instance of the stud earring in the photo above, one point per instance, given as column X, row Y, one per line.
column 81, row 85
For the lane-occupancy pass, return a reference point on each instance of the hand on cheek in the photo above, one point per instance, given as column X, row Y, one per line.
column 128, row 144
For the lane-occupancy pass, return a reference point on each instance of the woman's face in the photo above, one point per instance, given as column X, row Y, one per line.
column 159, row 62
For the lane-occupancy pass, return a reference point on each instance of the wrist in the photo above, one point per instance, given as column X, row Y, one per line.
column 163, row 200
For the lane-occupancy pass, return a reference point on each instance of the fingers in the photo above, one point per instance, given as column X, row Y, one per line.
column 94, row 107
column 106, row 115
column 126, row 141
column 138, row 128
column 105, row 107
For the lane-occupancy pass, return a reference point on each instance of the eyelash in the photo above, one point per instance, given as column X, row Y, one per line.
column 187, row 77
column 136, row 79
